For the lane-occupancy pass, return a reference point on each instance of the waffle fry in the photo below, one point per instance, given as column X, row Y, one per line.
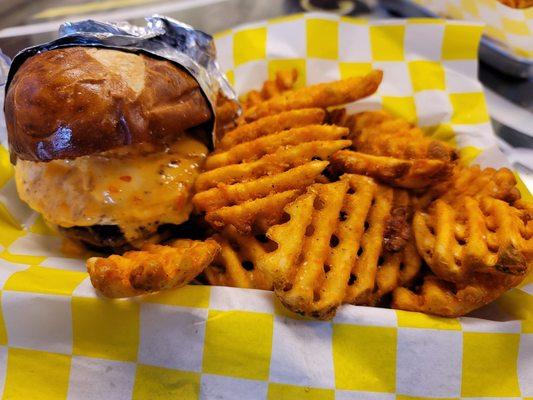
column 327, row 253
column 248, row 185
column 283, row 81
column 527, row 212
column 255, row 149
column 236, row 264
column 397, row 228
column 395, row 270
column 370, row 247
column 382, row 134
column 226, row 195
column 272, row 124
column 281, row 160
column 322, row 95
column 151, row 269
column 410, row 174
column 474, row 182
column 266, row 211
column 446, row 299
column 298, row 282
column 399, row 263
column 485, row 235
column 386, row 122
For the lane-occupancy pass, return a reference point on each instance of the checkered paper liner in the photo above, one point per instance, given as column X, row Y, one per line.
column 59, row 340
column 509, row 26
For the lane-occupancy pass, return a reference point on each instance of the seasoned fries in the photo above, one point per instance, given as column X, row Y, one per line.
column 396, row 270
column 250, row 151
column 281, row 160
column 228, row 195
column 326, row 208
column 474, row 182
column 355, row 240
column 151, row 269
column 485, row 235
column 272, row 124
column 266, row 211
column 382, row 134
column 282, row 82
column 322, row 95
column 410, row 174
column 261, row 166
column 236, row 264
column 327, row 253
column 446, row 299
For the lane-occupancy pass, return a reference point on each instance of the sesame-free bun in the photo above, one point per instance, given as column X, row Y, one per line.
column 77, row 101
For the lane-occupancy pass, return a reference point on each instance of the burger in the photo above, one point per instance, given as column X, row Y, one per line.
column 106, row 144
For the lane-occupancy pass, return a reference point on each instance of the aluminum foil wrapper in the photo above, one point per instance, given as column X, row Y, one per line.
column 162, row 36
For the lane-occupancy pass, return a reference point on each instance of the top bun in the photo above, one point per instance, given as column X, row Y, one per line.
column 76, row 101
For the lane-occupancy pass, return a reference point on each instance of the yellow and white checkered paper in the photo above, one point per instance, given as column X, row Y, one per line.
column 59, row 340
column 510, row 26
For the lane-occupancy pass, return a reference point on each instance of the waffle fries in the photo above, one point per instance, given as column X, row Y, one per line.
column 283, row 81
column 446, row 299
column 255, row 149
column 365, row 238
column 268, row 125
column 228, row 195
column 261, row 166
column 327, row 253
column 236, row 264
column 263, row 212
column 474, row 182
column 327, row 208
column 322, row 95
column 394, row 271
column 399, row 263
column 485, row 235
column 392, row 151
column 153, row 268
column 410, row 174
column 282, row 159
column 382, row 134
column 226, row 111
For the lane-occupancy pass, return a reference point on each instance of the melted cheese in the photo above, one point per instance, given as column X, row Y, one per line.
column 137, row 188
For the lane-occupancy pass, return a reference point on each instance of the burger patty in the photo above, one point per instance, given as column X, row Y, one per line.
column 110, row 239
column 102, row 238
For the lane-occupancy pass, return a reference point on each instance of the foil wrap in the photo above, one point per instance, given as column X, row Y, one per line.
column 162, row 37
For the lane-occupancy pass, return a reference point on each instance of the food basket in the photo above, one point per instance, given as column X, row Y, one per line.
column 507, row 43
column 60, row 340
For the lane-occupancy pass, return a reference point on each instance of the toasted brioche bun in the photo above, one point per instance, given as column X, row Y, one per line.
column 77, row 101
